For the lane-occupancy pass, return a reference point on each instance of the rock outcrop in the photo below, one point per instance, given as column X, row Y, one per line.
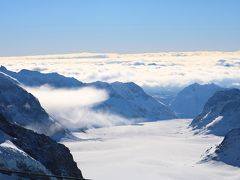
column 228, row 150
column 46, row 154
column 221, row 113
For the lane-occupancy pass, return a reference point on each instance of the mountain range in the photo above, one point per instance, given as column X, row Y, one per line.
column 36, row 78
column 25, row 125
column 125, row 99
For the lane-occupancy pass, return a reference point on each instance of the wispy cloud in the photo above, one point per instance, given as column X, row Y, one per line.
column 72, row 107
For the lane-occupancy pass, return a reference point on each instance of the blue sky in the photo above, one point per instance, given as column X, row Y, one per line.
column 125, row 26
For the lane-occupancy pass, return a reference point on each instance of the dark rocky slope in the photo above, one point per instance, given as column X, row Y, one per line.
column 228, row 150
column 21, row 107
column 54, row 156
column 221, row 113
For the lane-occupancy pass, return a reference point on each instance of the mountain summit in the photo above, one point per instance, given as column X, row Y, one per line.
column 35, row 78
column 190, row 101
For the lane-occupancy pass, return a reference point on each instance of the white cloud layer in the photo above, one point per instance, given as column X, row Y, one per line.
column 82, row 97
column 72, row 107
column 148, row 69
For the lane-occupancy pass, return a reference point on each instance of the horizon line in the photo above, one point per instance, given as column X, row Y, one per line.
column 119, row 53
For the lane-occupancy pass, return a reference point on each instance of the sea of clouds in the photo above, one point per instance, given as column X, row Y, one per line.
column 149, row 70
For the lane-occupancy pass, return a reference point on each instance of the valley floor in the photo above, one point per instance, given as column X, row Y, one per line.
column 156, row 150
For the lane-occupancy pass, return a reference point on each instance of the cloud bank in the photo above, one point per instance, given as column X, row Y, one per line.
column 72, row 107
column 165, row 69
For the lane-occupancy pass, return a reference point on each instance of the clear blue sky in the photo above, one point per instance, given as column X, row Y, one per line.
column 124, row 26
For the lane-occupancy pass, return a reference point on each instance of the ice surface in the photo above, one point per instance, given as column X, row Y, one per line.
column 157, row 150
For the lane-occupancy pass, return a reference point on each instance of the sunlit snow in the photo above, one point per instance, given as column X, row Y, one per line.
column 156, row 150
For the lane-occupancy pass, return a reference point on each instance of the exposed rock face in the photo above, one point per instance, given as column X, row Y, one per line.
column 53, row 156
column 21, row 107
column 228, row 150
column 221, row 113
column 125, row 99
column 13, row 158
column 190, row 101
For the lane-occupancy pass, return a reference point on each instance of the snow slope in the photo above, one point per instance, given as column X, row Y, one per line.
column 155, row 150
column 21, row 107
column 221, row 113
column 35, row 78
column 130, row 101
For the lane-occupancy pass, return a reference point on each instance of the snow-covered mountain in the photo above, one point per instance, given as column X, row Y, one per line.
column 35, row 78
column 190, row 101
column 22, row 108
column 23, row 150
column 130, row 101
column 125, row 99
column 228, row 150
column 221, row 113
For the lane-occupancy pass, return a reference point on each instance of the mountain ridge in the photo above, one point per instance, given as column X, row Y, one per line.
column 221, row 113
column 190, row 101
column 22, row 108
column 123, row 99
